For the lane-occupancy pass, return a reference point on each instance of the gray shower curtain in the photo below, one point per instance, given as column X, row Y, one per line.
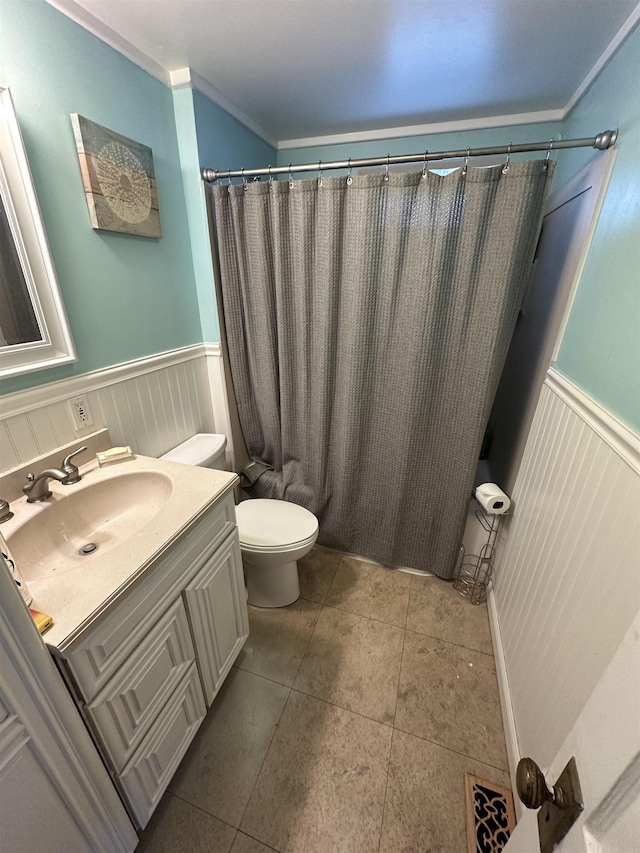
column 367, row 326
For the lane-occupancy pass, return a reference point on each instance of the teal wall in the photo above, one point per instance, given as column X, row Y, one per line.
column 200, row 242
column 126, row 296
column 600, row 349
column 216, row 140
column 225, row 143
column 413, row 144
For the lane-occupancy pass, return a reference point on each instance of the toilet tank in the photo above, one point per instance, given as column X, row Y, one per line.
column 206, row 450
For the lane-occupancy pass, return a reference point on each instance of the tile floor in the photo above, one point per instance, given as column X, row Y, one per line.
column 346, row 724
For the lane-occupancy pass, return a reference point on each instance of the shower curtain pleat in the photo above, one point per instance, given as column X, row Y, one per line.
column 367, row 326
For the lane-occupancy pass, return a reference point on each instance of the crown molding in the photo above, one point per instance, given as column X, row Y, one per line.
column 186, row 78
column 424, row 129
column 178, row 78
column 102, row 31
column 615, row 43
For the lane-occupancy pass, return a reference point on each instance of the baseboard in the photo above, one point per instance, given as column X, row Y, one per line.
column 508, row 718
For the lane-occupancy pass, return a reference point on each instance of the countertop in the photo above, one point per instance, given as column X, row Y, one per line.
column 75, row 597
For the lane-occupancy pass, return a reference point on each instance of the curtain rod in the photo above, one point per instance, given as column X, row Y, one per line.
column 602, row 141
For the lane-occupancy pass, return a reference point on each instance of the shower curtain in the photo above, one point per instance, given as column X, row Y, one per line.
column 367, row 323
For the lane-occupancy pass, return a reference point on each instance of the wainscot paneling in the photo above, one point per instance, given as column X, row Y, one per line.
column 567, row 575
column 151, row 404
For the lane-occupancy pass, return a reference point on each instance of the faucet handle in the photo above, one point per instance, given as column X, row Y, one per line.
column 5, row 511
column 70, row 469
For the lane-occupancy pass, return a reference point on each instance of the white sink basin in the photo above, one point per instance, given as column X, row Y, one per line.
column 104, row 514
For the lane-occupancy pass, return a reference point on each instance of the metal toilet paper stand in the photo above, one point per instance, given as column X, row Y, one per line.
column 473, row 571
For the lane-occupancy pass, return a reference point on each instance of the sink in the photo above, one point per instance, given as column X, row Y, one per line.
column 133, row 511
column 62, row 533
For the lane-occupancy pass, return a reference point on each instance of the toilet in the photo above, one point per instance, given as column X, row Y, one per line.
column 274, row 535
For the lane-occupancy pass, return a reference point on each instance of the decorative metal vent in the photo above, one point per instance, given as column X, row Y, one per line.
column 490, row 815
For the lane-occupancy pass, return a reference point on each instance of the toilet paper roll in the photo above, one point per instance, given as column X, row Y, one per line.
column 492, row 498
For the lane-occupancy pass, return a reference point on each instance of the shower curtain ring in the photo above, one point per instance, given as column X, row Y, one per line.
column 228, row 180
column 424, row 166
column 466, row 162
column 349, row 178
column 386, row 170
column 290, row 178
column 244, row 180
column 505, row 168
column 545, row 165
column 319, row 173
column 270, row 175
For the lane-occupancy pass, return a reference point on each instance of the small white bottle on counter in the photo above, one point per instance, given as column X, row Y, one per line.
column 15, row 571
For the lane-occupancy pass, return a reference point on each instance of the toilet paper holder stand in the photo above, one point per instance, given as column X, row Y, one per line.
column 473, row 571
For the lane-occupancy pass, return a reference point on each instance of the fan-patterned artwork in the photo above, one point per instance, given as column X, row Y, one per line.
column 119, row 180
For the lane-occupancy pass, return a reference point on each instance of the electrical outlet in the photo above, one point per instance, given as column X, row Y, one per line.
column 81, row 412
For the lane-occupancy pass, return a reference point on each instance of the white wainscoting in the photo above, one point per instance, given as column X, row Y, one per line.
column 567, row 575
column 152, row 404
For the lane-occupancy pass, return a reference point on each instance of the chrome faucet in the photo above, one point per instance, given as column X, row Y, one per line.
column 36, row 489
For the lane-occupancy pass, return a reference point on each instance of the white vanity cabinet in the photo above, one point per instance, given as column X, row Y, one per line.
column 144, row 673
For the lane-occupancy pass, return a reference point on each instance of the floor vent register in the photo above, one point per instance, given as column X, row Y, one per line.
column 490, row 815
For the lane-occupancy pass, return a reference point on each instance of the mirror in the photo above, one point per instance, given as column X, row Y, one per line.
column 34, row 332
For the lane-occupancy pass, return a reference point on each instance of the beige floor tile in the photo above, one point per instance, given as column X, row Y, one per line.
column 219, row 770
column 177, row 826
column 370, row 590
column 425, row 801
column 449, row 695
column 244, row 844
column 322, row 785
column 353, row 662
column 316, row 571
column 278, row 639
column 437, row 609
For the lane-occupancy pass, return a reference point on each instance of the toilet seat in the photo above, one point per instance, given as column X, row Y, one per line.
column 276, row 549
column 272, row 525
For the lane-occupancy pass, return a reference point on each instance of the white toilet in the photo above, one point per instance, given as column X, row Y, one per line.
column 274, row 535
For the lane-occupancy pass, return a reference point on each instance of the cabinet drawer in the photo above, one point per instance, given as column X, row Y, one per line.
column 125, row 708
column 146, row 776
column 96, row 655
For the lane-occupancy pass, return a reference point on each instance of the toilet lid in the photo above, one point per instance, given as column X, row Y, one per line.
column 270, row 524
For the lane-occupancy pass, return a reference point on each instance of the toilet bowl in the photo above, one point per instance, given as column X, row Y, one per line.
column 274, row 535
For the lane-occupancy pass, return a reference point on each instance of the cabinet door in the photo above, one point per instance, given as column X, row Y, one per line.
column 217, row 610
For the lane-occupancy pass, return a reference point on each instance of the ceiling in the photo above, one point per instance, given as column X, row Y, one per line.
column 303, row 69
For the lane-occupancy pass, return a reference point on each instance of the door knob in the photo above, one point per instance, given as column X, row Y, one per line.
column 531, row 784
column 559, row 809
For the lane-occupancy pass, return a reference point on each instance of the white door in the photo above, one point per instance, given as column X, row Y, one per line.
column 570, row 217
column 605, row 741
column 55, row 793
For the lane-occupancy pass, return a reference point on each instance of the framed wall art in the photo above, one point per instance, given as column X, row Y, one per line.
column 119, row 180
